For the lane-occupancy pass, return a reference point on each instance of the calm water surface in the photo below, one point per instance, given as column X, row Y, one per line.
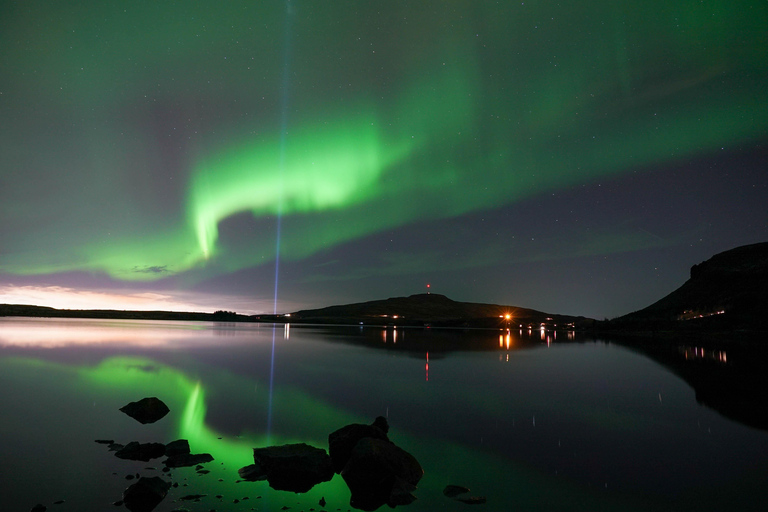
column 527, row 420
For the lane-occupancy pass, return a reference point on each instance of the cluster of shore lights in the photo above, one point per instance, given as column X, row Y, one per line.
column 690, row 314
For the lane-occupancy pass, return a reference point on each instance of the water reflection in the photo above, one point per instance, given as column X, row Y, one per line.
column 732, row 382
column 548, row 428
column 690, row 352
column 63, row 332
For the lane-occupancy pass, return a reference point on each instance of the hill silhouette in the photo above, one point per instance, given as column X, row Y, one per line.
column 729, row 291
column 436, row 310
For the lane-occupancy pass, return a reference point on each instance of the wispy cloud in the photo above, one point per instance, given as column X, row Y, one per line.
column 154, row 269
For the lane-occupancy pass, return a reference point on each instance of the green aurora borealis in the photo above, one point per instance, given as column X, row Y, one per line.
column 158, row 143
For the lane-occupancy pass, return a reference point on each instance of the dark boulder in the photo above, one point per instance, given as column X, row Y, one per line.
column 39, row 508
column 380, row 472
column 146, row 410
column 343, row 441
column 141, row 451
column 290, row 467
column 145, row 494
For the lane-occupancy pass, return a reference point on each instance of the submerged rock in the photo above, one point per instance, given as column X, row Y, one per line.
column 342, row 441
column 454, row 490
column 146, row 494
column 193, row 497
column 290, row 467
column 252, row 473
column 143, row 452
column 115, row 447
column 146, row 410
column 184, row 460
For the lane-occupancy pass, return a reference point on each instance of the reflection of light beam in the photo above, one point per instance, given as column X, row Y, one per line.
column 271, row 384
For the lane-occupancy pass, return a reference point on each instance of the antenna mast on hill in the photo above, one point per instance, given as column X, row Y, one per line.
column 428, row 285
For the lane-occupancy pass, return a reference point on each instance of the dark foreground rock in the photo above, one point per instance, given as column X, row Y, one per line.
column 141, row 451
column 145, row 494
column 146, row 410
column 380, row 472
column 342, row 441
column 290, row 467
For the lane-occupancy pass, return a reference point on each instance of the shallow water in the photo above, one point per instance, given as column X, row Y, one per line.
column 543, row 421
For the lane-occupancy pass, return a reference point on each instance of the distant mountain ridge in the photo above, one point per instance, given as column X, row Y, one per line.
column 727, row 291
column 434, row 309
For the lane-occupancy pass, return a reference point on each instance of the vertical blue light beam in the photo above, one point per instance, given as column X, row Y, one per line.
column 284, row 97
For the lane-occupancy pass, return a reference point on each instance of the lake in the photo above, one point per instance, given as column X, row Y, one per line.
column 530, row 420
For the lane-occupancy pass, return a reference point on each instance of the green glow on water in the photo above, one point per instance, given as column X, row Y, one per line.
column 303, row 419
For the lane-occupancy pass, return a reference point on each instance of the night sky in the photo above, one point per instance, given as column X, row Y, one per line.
column 572, row 157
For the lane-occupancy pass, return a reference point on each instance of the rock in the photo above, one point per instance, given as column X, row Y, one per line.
column 143, row 451
column 178, row 447
column 380, row 472
column 146, row 494
column 343, row 441
column 105, row 441
column 454, row 490
column 290, row 467
column 39, row 508
column 402, row 493
column 187, row 460
column 146, row 410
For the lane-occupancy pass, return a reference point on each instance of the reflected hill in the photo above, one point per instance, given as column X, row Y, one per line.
column 432, row 309
column 726, row 293
column 440, row 342
column 732, row 381
column 711, row 333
